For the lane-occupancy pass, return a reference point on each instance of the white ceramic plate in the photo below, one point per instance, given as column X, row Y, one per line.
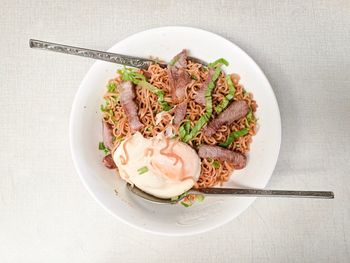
column 175, row 220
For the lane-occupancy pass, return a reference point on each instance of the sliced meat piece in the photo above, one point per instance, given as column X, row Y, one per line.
column 238, row 160
column 180, row 112
column 200, row 96
column 180, row 60
column 109, row 162
column 127, row 96
column 235, row 111
column 178, row 77
column 107, row 133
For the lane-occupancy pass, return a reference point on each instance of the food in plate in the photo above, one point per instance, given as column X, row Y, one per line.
column 167, row 130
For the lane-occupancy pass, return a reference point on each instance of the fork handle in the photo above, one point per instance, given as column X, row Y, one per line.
column 91, row 53
column 266, row 193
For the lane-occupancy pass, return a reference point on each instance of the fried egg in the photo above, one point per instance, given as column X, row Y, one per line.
column 159, row 166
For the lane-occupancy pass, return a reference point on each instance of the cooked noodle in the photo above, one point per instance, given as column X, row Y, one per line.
column 148, row 108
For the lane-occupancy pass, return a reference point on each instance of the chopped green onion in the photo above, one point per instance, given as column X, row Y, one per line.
column 102, row 147
column 186, row 204
column 194, row 77
column 218, row 62
column 200, row 198
column 179, row 197
column 175, row 198
column 231, row 93
column 233, row 136
column 142, row 170
column 189, row 202
column 216, row 164
column 111, row 87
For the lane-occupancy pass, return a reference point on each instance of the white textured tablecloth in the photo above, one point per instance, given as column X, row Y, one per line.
column 46, row 215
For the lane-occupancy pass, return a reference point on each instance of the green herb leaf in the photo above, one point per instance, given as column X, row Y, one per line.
column 142, row 170
column 187, row 125
column 184, row 129
column 223, row 104
column 208, row 107
column 131, row 74
column 250, row 116
column 233, row 136
column 165, row 106
column 182, row 132
column 196, row 128
column 218, row 62
column 216, row 164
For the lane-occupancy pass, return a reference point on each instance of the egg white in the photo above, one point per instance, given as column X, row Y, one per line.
column 154, row 181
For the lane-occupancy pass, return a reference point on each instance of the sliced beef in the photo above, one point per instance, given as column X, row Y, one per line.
column 107, row 133
column 180, row 112
column 178, row 77
column 235, row 111
column 127, row 96
column 109, row 162
column 238, row 160
column 200, row 96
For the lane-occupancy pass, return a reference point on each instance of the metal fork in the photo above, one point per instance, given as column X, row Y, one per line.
column 131, row 61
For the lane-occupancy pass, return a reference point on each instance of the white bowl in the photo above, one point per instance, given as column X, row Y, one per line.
column 174, row 220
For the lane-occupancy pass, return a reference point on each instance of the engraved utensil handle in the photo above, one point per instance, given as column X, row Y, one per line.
column 267, row 193
column 91, row 53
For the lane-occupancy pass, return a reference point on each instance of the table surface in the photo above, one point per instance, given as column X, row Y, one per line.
column 46, row 215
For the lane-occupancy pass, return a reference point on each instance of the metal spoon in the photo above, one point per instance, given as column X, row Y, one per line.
column 131, row 61
column 237, row 192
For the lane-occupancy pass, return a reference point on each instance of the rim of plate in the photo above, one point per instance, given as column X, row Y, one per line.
column 87, row 186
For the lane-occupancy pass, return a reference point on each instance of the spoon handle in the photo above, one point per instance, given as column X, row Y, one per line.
column 266, row 193
column 91, row 53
